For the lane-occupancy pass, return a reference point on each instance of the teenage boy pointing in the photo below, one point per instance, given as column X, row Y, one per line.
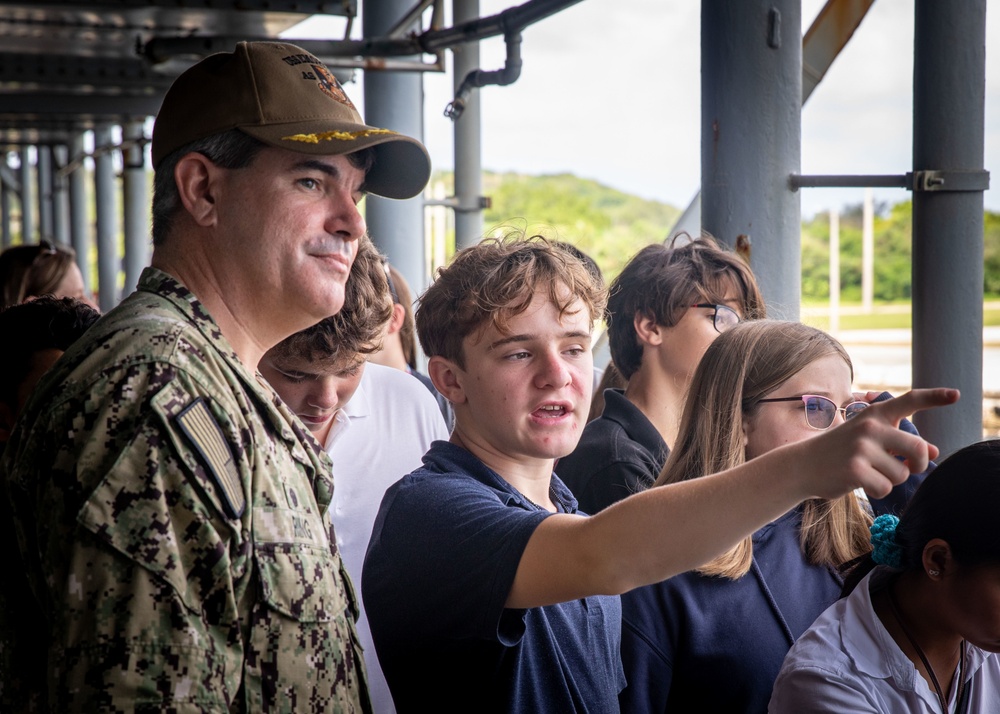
column 485, row 589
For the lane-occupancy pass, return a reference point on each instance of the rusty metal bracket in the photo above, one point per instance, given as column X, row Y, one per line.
column 948, row 180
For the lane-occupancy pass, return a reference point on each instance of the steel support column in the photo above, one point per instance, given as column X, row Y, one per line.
column 751, row 87
column 27, row 198
column 394, row 100
column 468, row 137
column 949, row 79
column 78, row 226
column 108, row 260
column 44, row 176
column 5, row 207
column 60, row 195
column 135, row 193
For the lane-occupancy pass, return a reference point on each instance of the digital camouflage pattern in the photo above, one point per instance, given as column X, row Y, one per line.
column 153, row 592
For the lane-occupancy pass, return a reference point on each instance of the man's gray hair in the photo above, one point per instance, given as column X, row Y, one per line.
column 230, row 150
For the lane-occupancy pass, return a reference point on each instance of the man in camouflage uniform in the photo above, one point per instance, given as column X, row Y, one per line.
column 171, row 512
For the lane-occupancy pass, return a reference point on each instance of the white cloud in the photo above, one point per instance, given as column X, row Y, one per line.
column 610, row 90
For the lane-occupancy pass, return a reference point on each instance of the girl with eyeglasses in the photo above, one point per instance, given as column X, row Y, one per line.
column 714, row 639
column 919, row 626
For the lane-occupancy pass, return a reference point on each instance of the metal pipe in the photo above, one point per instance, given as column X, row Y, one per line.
column 27, row 198
column 44, row 177
column 949, row 79
column 60, row 196
column 5, row 206
column 467, row 137
column 797, row 181
column 108, row 260
column 79, row 235
column 481, row 78
column 161, row 49
column 511, row 20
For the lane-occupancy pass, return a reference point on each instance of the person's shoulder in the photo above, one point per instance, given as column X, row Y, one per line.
column 145, row 327
column 401, row 389
column 605, row 443
column 382, row 377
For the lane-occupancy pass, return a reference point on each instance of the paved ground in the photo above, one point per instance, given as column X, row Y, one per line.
column 883, row 358
column 882, row 361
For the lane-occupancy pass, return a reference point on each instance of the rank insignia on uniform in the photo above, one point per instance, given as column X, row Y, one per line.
column 204, row 433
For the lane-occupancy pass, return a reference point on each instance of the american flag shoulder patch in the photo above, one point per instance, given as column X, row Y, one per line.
column 205, row 435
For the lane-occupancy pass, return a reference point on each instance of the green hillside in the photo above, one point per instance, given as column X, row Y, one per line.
column 605, row 223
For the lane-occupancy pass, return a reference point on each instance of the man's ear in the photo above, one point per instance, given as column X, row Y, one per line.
column 648, row 330
column 447, row 378
column 396, row 321
column 196, row 177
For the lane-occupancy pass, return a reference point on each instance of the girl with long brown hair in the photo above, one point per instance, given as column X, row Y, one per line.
column 714, row 639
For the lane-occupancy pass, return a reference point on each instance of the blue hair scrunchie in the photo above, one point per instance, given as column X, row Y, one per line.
column 885, row 550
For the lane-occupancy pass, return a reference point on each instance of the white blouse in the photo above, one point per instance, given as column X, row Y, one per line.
column 847, row 662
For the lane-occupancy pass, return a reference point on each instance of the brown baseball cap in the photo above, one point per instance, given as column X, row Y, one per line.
column 285, row 97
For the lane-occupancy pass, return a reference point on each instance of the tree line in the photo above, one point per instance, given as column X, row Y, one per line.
column 611, row 226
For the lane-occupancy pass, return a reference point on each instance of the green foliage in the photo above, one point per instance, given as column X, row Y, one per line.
column 612, row 226
column 893, row 231
column 991, row 253
column 608, row 225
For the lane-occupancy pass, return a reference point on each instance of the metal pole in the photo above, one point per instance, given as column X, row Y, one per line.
column 108, row 260
column 60, row 196
column 834, row 271
column 751, row 88
column 136, row 205
column 78, row 226
column 27, row 198
column 44, row 176
column 949, row 79
column 468, row 136
column 868, row 251
column 5, row 206
column 394, row 100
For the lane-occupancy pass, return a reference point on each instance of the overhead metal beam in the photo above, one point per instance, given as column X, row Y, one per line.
column 307, row 7
column 70, row 74
column 70, row 108
column 827, row 36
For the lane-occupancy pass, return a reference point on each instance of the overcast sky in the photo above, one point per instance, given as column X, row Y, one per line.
column 610, row 90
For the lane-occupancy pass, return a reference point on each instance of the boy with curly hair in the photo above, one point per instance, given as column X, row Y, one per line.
column 485, row 589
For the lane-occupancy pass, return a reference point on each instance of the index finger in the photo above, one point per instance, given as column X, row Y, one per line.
column 914, row 401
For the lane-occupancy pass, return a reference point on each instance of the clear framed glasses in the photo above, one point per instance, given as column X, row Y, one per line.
column 820, row 411
column 724, row 317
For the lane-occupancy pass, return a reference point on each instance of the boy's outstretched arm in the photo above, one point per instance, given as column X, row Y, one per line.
column 671, row 529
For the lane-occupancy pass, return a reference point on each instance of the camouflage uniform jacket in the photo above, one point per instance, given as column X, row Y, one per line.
column 171, row 513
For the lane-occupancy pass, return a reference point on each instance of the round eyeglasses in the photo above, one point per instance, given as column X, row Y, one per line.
column 724, row 317
column 820, row 411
